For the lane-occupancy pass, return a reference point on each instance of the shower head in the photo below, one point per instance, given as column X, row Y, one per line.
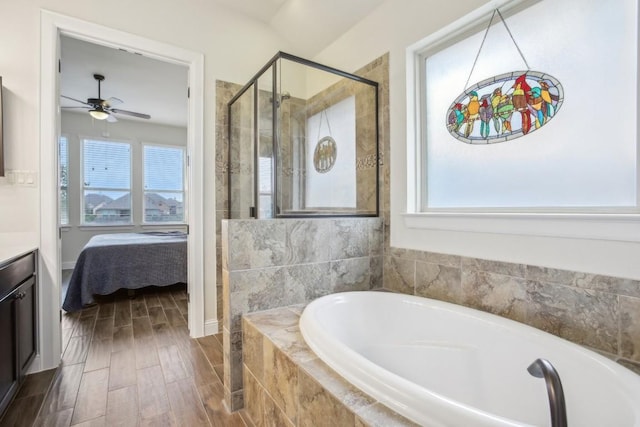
column 283, row 97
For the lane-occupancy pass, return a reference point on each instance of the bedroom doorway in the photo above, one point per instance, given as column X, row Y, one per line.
column 153, row 214
column 122, row 159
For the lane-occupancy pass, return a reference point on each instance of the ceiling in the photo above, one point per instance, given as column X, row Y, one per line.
column 144, row 85
column 309, row 25
column 159, row 88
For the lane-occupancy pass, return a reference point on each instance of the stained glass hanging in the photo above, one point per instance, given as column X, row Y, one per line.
column 505, row 106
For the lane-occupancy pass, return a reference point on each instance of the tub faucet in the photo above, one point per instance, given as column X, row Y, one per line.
column 542, row 368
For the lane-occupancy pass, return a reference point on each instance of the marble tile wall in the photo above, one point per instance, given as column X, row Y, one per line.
column 287, row 385
column 279, row 262
column 599, row 312
column 224, row 92
column 377, row 70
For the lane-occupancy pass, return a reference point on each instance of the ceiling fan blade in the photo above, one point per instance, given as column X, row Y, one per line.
column 111, row 118
column 111, row 102
column 73, row 99
column 130, row 113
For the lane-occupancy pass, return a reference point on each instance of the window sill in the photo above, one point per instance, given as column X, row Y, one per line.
column 107, row 226
column 597, row 226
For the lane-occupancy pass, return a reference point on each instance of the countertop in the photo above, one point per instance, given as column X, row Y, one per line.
column 13, row 245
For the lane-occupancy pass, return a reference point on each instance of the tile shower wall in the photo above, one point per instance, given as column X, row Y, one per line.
column 295, row 119
column 224, row 92
column 348, row 258
column 279, row 262
column 377, row 70
column 599, row 312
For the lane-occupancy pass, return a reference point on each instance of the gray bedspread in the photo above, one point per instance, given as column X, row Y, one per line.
column 110, row 262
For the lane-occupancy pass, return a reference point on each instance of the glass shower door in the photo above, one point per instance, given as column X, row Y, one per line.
column 265, row 161
column 241, row 156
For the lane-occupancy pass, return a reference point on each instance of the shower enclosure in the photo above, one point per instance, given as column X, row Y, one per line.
column 303, row 141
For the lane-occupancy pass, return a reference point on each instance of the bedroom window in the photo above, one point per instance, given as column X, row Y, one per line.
column 63, row 184
column 163, row 183
column 585, row 160
column 106, row 193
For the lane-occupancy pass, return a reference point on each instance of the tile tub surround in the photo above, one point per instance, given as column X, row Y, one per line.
column 279, row 262
column 599, row 312
column 287, row 385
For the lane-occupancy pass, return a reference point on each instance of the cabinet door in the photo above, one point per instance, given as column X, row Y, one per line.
column 26, row 316
column 8, row 353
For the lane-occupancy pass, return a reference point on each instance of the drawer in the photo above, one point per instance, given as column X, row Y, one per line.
column 16, row 272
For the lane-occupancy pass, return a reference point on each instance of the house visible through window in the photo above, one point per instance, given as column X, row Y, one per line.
column 63, row 174
column 106, row 182
column 163, row 183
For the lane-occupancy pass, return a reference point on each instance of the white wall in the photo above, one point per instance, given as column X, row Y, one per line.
column 234, row 48
column 394, row 26
column 76, row 126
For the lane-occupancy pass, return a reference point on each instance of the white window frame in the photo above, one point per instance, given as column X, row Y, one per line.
column 600, row 224
column 84, row 224
column 184, row 185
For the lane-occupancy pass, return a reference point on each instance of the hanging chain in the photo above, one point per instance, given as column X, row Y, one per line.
column 326, row 116
column 485, row 38
column 479, row 50
column 513, row 39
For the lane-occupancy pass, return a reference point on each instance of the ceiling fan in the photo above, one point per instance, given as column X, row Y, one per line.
column 101, row 109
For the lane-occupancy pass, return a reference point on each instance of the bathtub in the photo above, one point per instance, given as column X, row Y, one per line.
column 440, row 364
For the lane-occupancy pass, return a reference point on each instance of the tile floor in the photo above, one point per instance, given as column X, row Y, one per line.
column 130, row 362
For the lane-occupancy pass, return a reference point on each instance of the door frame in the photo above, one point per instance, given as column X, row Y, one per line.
column 52, row 25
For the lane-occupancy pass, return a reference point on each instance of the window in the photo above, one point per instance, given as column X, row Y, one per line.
column 265, row 190
column 163, row 183
column 335, row 186
column 584, row 160
column 106, row 182
column 63, row 184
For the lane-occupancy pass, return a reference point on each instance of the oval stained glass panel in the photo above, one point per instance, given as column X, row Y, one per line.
column 504, row 107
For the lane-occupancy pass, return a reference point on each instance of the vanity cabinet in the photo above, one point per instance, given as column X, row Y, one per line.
column 18, row 308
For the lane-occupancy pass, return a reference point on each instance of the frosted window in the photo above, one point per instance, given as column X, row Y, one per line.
column 584, row 157
column 335, row 188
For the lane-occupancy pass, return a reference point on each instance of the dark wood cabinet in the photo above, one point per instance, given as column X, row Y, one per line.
column 18, row 334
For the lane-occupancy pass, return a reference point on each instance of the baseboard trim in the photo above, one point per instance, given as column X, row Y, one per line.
column 211, row 327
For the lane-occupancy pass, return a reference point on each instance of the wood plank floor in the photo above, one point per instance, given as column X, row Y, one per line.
column 130, row 362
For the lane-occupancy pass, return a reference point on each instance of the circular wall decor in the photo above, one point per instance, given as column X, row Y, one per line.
column 324, row 156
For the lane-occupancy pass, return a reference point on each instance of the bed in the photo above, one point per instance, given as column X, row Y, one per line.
column 109, row 262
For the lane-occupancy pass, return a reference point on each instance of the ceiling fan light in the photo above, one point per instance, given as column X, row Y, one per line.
column 99, row 114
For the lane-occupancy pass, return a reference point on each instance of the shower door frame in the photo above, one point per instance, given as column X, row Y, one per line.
column 255, row 210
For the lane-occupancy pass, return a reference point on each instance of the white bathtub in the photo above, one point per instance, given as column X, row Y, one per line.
column 441, row 364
